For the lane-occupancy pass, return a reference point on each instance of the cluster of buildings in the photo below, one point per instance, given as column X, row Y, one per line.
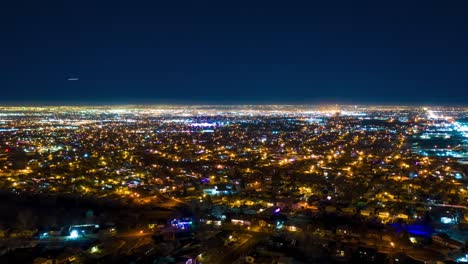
column 390, row 179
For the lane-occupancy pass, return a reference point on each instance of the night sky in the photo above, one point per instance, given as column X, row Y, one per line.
column 408, row 52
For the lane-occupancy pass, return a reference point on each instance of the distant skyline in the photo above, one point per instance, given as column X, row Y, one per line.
column 234, row 52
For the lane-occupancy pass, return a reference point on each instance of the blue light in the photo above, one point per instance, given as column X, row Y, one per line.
column 417, row 232
column 413, row 229
column 183, row 223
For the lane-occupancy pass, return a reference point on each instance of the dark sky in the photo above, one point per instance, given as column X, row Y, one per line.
column 234, row 51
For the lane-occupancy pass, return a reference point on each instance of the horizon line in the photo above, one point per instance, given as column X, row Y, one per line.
column 199, row 104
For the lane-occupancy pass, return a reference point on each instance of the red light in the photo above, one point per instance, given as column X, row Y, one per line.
column 7, row 150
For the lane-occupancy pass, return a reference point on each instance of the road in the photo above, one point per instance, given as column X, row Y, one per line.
column 241, row 249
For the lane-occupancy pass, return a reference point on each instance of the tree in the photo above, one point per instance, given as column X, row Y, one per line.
column 26, row 219
column 48, row 220
column 218, row 211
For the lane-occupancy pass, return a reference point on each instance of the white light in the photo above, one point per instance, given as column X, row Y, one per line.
column 446, row 220
column 463, row 259
column 73, row 234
